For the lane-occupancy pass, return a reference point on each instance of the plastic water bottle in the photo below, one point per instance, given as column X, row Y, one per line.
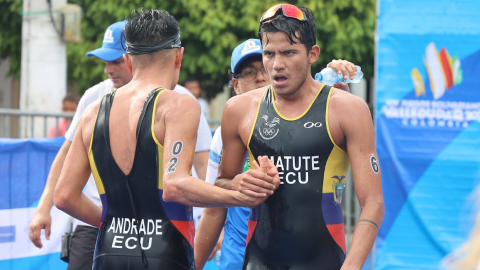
column 330, row 77
column 217, row 256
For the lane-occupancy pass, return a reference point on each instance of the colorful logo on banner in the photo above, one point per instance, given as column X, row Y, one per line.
column 443, row 73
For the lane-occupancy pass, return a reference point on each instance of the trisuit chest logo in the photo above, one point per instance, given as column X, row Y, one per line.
column 268, row 130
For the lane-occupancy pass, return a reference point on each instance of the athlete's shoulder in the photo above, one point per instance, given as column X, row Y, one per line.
column 170, row 99
column 345, row 98
column 246, row 101
column 182, row 90
column 350, row 106
column 91, row 110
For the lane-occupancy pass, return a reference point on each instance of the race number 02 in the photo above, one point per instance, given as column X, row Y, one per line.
column 176, row 150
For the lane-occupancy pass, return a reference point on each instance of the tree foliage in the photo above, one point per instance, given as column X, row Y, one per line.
column 211, row 29
column 10, row 34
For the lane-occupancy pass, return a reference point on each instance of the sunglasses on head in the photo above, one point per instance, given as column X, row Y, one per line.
column 288, row 10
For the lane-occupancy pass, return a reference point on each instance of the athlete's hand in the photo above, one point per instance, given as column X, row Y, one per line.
column 41, row 220
column 259, row 182
column 341, row 67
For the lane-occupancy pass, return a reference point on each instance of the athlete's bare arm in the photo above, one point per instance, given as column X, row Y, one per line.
column 41, row 219
column 237, row 121
column 206, row 237
column 200, row 163
column 177, row 134
column 68, row 195
column 352, row 129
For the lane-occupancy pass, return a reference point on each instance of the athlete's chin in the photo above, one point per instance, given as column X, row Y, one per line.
column 283, row 91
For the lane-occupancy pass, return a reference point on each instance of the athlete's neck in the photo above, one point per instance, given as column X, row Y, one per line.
column 304, row 94
column 150, row 78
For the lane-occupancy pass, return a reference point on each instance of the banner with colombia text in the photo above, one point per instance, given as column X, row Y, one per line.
column 427, row 128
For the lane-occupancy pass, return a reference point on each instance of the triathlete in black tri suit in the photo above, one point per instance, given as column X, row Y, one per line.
column 312, row 133
column 138, row 142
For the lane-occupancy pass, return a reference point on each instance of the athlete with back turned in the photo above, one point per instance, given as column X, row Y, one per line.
column 139, row 142
column 311, row 132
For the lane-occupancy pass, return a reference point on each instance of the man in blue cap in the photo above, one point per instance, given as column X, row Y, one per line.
column 85, row 236
column 247, row 73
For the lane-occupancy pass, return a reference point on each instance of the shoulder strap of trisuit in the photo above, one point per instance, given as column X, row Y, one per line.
column 149, row 99
column 325, row 92
column 267, row 95
column 107, row 105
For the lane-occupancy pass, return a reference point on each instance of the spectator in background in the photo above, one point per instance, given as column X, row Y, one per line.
column 69, row 105
column 193, row 85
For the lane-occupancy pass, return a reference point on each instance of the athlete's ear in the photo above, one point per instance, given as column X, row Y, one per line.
column 128, row 61
column 235, row 86
column 179, row 57
column 313, row 54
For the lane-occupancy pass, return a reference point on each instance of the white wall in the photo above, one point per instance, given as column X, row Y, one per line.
column 43, row 81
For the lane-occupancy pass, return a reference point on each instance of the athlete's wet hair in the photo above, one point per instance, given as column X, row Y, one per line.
column 305, row 31
column 146, row 27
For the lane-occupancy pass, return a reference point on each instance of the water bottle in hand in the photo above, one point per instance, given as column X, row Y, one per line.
column 330, row 77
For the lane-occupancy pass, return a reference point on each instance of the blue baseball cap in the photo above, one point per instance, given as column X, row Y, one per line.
column 112, row 43
column 250, row 47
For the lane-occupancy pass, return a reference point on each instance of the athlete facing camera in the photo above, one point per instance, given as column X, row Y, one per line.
column 312, row 133
column 247, row 74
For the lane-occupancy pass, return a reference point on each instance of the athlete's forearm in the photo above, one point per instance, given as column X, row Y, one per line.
column 192, row 191
column 46, row 201
column 81, row 208
column 224, row 183
column 209, row 229
column 364, row 236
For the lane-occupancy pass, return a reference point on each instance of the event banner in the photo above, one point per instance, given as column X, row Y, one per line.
column 427, row 128
column 24, row 167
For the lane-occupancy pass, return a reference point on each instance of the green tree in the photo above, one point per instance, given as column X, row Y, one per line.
column 10, row 34
column 211, row 29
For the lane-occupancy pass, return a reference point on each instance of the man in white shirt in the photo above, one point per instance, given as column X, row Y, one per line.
column 84, row 236
column 193, row 85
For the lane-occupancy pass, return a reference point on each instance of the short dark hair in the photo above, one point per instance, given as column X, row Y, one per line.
column 305, row 31
column 245, row 62
column 72, row 97
column 150, row 26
